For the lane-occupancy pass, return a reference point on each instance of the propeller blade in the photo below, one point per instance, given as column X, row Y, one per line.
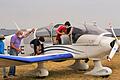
column 114, row 34
column 16, row 25
column 113, row 51
column 116, row 45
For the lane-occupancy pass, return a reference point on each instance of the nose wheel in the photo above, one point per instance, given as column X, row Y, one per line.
column 99, row 70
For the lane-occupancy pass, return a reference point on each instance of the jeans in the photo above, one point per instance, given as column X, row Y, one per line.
column 12, row 69
column 4, row 71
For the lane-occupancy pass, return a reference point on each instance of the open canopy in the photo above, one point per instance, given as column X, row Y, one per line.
column 76, row 33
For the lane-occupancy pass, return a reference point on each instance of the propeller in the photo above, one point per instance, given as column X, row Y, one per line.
column 115, row 47
column 16, row 25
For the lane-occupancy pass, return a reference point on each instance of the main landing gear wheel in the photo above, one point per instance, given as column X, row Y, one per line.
column 39, row 72
column 79, row 65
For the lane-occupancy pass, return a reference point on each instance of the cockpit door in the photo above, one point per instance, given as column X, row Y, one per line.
column 45, row 33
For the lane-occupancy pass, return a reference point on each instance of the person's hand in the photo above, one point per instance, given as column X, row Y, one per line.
column 18, row 50
column 63, row 33
column 33, row 30
column 69, row 34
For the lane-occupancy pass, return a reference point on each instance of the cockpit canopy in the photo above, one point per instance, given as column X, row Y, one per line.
column 50, row 33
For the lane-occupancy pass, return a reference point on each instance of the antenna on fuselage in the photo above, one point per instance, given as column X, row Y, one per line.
column 94, row 23
column 85, row 25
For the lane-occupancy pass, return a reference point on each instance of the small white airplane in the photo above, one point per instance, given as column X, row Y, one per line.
column 90, row 42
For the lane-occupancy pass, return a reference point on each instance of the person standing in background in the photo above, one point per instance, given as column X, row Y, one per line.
column 2, row 52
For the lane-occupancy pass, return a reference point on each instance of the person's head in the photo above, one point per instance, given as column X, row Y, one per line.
column 2, row 37
column 67, row 24
column 41, row 38
column 19, row 33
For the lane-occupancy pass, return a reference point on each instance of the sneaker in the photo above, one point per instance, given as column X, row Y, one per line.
column 5, row 77
column 12, row 75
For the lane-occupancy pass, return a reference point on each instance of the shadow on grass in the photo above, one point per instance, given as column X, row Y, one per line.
column 61, row 75
column 53, row 75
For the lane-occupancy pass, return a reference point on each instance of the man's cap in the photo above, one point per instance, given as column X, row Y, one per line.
column 2, row 36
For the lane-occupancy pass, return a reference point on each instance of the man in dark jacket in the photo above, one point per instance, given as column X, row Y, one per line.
column 37, row 45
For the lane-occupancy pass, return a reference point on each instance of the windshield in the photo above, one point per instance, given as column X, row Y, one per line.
column 94, row 29
column 88, row 29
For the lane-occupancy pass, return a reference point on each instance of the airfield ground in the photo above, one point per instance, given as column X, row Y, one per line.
column 60, row 71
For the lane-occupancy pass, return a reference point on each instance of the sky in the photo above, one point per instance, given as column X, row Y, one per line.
column 40, row 13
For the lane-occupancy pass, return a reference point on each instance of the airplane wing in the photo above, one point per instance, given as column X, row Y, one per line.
column 7, row 60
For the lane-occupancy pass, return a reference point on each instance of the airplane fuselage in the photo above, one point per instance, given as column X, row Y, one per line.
column 85, row 47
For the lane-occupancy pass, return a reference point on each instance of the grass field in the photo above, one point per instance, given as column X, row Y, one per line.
column 60, row 71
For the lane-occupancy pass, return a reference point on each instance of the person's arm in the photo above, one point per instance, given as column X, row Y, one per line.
column 17, row 49
column 38, row 50
column 59, row 29
column 70, row 31
column 28, row 33
column 1, row 48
